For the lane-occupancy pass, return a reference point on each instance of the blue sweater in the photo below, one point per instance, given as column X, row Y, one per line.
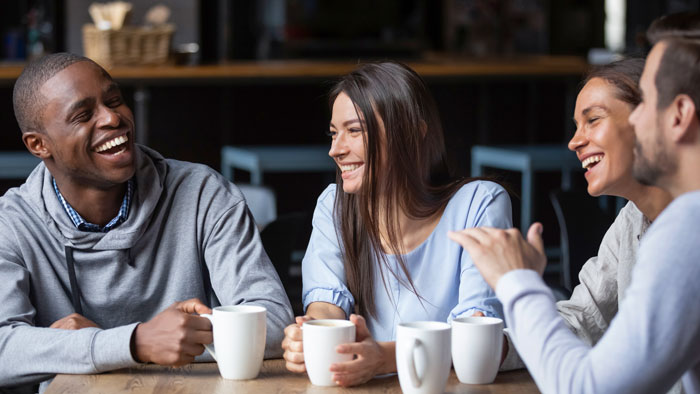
column 442, row 272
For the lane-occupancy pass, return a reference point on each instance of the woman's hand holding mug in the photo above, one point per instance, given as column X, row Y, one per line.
column 293, row 345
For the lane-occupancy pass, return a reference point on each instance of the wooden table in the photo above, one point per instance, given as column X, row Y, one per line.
column 274, row 378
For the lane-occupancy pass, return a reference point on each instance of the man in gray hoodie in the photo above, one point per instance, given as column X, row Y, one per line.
column 108, row 247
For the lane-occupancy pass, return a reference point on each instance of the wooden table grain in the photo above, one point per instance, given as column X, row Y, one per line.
column 273, row 378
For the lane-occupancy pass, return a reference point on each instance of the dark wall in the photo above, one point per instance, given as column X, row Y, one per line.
column 640, row 17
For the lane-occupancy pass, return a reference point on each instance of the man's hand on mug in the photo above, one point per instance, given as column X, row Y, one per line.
column 174, row 336
column 496, row 252
column 74, row 321
column 293, row 345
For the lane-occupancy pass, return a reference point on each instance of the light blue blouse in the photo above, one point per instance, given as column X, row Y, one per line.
column 442, row 272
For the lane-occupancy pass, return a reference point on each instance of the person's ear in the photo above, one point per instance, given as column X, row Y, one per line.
column 683, row 119
column 37, row 144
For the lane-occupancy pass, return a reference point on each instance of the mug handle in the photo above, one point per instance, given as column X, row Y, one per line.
column 210, row 347
column 415, row 380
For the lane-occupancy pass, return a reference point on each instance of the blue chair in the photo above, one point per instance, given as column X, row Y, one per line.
column 269, row 158
column 582, row 225
column 526, row 159
column 17, row 165
column 285, row 240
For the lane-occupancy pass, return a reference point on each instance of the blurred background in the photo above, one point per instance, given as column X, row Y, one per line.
column 248, row 74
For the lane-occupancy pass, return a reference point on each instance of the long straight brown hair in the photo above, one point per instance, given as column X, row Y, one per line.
column 405, row 171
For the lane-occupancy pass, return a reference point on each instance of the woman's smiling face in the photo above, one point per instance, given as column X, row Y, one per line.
column 348, row 143
column 604, row 139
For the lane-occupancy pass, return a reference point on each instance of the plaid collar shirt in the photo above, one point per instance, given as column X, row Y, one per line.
column 83, row 225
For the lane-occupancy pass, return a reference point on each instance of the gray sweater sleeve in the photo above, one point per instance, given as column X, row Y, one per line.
column 241, row 272
column 29, row 354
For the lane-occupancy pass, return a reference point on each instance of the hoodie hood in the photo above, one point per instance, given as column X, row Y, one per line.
column 151, row 171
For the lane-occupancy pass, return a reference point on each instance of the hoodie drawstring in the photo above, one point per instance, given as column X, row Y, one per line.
column 75, row 290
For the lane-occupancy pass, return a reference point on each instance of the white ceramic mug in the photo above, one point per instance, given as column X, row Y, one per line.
column 477, row 344
column 239, row 340
column 321, row 337
column 423, row 356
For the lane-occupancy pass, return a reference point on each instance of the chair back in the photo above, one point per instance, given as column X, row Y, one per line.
column 283, row 239
column 261, row 202
column 582, row 225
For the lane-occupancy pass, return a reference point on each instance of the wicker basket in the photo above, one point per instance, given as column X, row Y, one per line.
column 132, row 46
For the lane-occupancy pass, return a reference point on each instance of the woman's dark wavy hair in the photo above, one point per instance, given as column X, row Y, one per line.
column 405, row 171
column 623, row 75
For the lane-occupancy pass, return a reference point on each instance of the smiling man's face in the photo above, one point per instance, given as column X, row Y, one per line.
column 88, row 130
column 653, row 159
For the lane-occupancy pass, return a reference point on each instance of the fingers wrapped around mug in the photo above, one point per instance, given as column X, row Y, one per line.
column 369, row 357
column 293, row 345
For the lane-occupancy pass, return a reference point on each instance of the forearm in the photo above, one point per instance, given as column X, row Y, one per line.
column 551, row 352
column 32, row 354
column 389, row 358
column 241, row 273
column 561, row 362
column 279, row 315
column 324, row 310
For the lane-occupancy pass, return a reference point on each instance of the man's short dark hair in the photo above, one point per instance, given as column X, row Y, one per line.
column 679, row 25
column 679, row 72
column 26, row 99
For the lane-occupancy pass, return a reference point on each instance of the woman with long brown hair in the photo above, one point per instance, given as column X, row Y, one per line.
column 379, row 249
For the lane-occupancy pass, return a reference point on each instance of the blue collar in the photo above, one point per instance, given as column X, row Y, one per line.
column 83, row 225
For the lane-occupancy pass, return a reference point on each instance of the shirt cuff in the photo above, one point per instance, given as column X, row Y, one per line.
column 470, row 311
column 111, row 349
column 515, row 283
column 330, row 296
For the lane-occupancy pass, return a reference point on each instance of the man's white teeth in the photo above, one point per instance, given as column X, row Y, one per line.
column 112, row 143
column 350, row 167
column 591, row 160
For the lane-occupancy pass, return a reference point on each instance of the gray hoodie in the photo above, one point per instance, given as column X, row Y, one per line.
column 188, row 234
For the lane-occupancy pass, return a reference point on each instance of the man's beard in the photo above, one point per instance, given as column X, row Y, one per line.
column 649, row 170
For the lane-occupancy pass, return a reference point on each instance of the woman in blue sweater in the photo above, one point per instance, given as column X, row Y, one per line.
column 379, row 253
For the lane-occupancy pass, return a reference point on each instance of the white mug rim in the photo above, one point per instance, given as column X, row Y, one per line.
column 477, row 321
column 431, row 326
column 239, row 309
column 335, row 324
